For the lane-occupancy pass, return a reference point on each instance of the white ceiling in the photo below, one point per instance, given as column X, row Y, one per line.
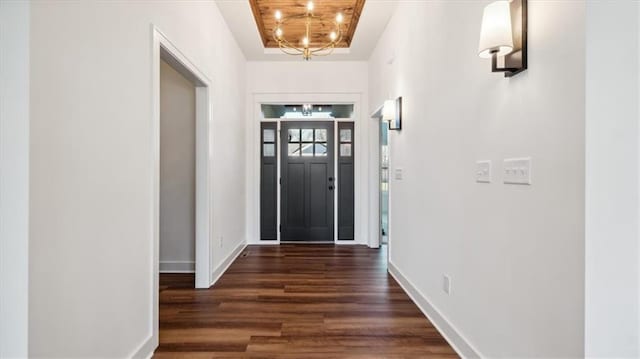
column 374, row 18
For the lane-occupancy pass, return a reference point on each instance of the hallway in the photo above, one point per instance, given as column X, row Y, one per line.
column 296, row 301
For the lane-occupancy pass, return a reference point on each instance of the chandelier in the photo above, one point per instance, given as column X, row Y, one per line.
column 304, row 49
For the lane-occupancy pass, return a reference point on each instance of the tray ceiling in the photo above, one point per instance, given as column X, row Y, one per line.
column 374, row 18
column 264, row 10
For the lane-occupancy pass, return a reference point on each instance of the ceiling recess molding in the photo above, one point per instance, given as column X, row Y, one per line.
column 264, row 13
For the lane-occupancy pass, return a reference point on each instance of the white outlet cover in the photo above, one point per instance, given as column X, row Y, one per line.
column 517, row 171
column 398, row 173
column 483, row 171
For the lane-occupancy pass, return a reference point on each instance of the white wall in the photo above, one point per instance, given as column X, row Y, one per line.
column 14, row 178
column 306, row 77
column 515, row 254
column 177, row 171
column 612, row 297
column 91, row 165
column 309, row 81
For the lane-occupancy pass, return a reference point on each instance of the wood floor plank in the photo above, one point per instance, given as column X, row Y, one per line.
column 296, row 301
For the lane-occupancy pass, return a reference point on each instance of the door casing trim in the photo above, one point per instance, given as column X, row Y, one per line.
column 363, row 194
column 163, row 48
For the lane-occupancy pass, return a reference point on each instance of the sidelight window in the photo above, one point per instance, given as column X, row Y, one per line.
column 345, row 142
column 268, row 142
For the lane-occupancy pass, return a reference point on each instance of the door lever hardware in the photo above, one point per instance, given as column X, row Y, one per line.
column 330, row 179
column 330, row 188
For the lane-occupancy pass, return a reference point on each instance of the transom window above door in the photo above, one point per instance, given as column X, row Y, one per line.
column 307, row 111
column 307, row 142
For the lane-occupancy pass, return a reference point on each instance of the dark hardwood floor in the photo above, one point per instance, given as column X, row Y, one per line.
column 296, row 301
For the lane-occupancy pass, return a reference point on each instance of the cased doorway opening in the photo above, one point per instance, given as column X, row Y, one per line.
column 177, row 172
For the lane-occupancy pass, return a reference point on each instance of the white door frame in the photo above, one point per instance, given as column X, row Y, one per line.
column 362, row 158
column 377, row 117
column 163, row 48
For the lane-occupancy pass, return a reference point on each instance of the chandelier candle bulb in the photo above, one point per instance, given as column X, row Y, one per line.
column 310, row 6
column 278, row 15
column 333, row 36
column 339, row 18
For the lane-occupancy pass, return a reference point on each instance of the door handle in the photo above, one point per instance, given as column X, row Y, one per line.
column 330, row 179
column 330, row 188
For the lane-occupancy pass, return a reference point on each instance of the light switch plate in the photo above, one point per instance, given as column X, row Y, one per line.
column 398, row 173
column 483, row 171
column 517, row 170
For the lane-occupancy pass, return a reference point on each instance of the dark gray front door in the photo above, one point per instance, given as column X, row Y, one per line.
column 307, row 181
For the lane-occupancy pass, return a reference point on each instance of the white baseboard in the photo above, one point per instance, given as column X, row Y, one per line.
column 344, row 242
column 146, row 349
column 177, row 266
column 455, row 338
column 264, row 243
column 219, row 271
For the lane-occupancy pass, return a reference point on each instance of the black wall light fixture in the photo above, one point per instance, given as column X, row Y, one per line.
column 503, row 36
column 392, row 113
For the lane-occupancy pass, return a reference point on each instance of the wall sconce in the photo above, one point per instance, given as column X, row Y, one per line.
column 504, row 34
column 392, row 113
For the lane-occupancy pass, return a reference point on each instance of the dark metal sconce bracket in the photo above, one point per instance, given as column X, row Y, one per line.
column 516, row 61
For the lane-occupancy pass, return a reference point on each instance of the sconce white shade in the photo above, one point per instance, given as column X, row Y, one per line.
column 496, row 32
column 389, row 110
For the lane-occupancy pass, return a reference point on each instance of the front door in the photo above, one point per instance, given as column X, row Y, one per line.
column 308, row 181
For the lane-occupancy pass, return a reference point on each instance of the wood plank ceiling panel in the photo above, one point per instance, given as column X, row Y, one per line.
column 264, row 10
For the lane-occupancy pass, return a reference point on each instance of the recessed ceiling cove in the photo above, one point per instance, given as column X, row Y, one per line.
column 264, row 14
